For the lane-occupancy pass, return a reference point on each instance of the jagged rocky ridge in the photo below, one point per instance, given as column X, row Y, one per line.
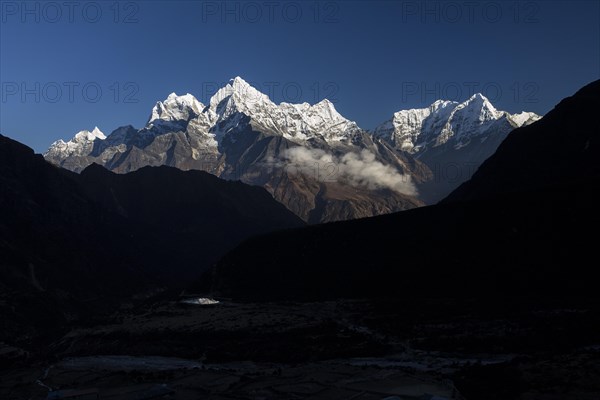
column 322, row 166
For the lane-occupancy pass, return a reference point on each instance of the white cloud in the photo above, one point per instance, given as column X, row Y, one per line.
column 357, row 169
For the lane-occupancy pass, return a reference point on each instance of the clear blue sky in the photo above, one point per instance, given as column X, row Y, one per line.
column 370, row 58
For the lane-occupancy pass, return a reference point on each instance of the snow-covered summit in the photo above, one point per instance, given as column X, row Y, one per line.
column 244, row 93
column 94, row 134
column 480, row 107
column 81, row 143
column 445, row 121
column 525, row 118
column 296, row 122
column 304, row 121
column 176, row 108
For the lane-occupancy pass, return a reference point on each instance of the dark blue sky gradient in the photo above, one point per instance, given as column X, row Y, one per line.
column 370, row 58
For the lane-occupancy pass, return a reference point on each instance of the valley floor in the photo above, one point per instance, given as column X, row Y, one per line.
column 413, row 349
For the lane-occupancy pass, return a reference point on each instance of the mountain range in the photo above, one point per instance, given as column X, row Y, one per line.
column 522, row 226
column 320, row 165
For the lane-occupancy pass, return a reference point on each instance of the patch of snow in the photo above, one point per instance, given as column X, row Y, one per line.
column 200, row 301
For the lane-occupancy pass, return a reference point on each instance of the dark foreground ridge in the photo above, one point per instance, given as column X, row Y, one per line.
column 72, row 246
column 519, row 227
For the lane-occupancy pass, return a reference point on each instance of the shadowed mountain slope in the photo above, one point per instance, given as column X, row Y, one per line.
column 519, row 227
column 74, row 245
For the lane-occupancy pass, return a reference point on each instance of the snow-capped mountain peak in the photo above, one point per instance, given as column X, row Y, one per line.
column 296, row 122
column 80, row 144
column 244, row 94
column 524, row 118
column 82, row 136
column 442, row 104
column 328, row 108
column 238, row 84
column 478, row 97
column 176, row 108
column 445, row 121
column 479, row 104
